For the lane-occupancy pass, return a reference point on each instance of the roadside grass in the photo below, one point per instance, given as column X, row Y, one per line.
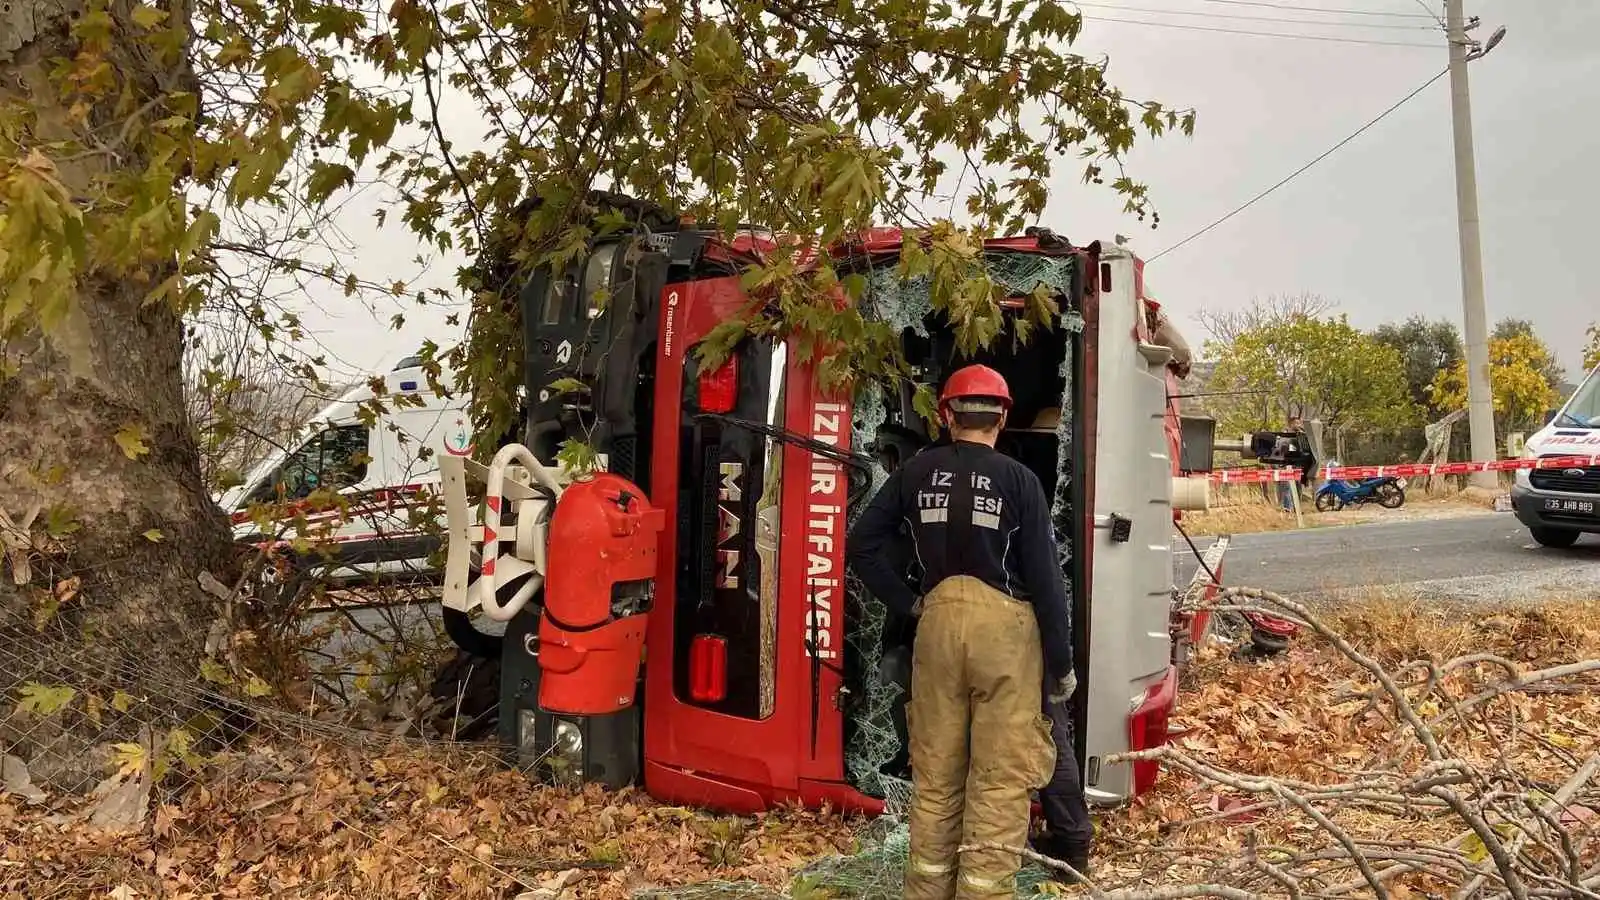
column 1244, row 509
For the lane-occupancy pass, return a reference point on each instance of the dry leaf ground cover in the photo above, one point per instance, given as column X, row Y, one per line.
column 1304, row 721
column 326, row 820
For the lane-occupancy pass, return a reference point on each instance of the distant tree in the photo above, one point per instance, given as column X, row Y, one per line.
column 1225, row 326
column 1426, row 348
column 1507, row 329
column 1519, row 366
column 1312, row 367
column 1591, row 353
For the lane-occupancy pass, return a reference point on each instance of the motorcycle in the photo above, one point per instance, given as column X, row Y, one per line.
column 1388, row 492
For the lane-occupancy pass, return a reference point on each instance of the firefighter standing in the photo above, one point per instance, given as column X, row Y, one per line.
column 994, row 626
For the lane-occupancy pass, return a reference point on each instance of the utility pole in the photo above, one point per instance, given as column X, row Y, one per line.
column 1480, row 400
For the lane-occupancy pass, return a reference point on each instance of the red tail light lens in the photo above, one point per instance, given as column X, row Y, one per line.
column 708, row 668
column 719, row 387
column 1148, row 727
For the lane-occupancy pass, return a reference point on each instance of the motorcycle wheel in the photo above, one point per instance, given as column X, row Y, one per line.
column 1327, row 503
column 1391, row 496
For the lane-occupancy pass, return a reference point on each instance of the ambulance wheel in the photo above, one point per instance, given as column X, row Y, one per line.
column 1559, row 538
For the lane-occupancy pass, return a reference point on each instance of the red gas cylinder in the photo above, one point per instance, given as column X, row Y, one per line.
column 597, row 596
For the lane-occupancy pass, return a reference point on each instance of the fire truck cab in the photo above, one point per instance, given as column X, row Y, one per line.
column 686, row 620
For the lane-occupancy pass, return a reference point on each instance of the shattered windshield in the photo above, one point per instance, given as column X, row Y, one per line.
column 1583, row 410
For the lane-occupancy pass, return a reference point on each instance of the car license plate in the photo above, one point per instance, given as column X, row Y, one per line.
column 1582, row 507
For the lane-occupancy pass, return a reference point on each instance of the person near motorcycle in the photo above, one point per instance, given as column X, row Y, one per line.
column 994, row 623
column 1299, row 455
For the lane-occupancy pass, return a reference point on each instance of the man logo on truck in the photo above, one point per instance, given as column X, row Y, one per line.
column 728, row 526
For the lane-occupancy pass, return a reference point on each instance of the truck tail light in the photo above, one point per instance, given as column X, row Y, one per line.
column 708, row 668
column 1148, row 727
column 719, row 387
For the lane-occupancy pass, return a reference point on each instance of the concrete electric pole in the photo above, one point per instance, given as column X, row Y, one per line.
column 1480, row 400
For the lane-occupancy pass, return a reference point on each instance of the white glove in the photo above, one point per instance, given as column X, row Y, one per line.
column 1064, row 689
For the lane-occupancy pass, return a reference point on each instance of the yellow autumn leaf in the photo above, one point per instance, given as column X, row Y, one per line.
column 180, row 744
column 129, row 757
column 131, row 438
column 148, row 17
column 44, row 699
column 213, row 671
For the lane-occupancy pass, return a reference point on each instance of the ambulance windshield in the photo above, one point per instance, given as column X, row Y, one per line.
column 1583, row 410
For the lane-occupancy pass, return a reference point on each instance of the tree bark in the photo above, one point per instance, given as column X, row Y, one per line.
column 133, row 525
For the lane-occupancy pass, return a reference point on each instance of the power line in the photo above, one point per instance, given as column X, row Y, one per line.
column 1274, row 34
column 1273, row 19
column 1297, row 172
column 1299, row 8
column 1431, row 14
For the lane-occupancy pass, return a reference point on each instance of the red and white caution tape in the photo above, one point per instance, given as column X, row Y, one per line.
column 1406, row 470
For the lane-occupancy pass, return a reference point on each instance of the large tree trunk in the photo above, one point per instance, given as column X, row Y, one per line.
column 133, row 525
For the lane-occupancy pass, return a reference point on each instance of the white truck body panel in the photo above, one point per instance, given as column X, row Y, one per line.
column 1132, row 581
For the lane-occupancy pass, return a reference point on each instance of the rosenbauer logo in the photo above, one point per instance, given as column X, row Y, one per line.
column 824, row 584
column 669, row 330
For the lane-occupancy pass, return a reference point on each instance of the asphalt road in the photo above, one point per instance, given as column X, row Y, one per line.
column 1488, row 557
column 1485, row 557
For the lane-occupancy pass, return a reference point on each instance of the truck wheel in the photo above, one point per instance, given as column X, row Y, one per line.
column 466, row 695
column 466, row 636
column 1559, row 538
column 654, row 217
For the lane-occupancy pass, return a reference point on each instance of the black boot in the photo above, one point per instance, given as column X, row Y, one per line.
column 1078, row 859
column 1075, row 856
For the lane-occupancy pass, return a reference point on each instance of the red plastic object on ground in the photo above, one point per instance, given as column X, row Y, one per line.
column 597, row 596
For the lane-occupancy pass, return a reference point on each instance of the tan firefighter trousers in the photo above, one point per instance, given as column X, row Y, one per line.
column 979, row 743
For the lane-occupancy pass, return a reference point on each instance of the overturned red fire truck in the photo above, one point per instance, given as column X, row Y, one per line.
column 686, row 620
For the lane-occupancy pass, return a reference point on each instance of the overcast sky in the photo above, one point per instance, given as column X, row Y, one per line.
column 1372, row 227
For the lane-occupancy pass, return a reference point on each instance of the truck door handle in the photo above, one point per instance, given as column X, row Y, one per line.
column 1121, row 527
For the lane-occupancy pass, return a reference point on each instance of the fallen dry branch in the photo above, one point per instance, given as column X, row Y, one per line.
column 1358, row 764
column 1433, row 800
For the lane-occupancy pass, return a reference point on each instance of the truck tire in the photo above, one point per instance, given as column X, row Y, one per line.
column 1560, row 538
column 643, row 212
column 466, row 694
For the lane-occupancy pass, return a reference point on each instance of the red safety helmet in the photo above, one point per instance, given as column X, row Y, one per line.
column 979, row 383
